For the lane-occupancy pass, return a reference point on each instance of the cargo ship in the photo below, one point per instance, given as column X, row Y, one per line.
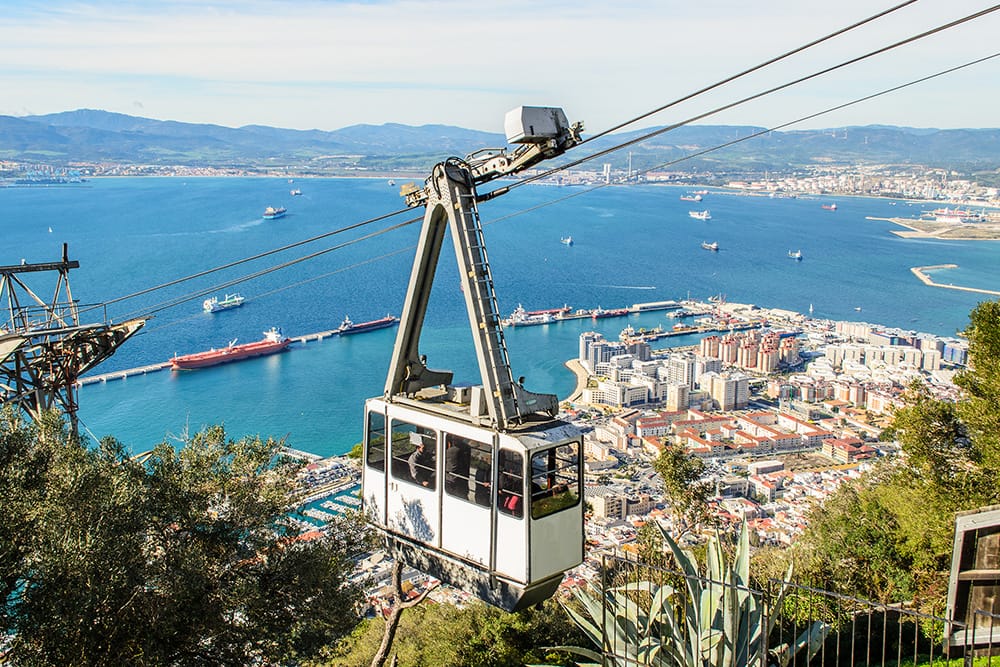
column 600, row 313
column 829, row 207
column 348, row 327
column 213, row 305
column 272, row 342
column 690, row 197
column 270, row 213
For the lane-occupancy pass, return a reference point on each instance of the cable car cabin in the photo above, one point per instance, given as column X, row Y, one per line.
column 498, row 514
column 479, row 486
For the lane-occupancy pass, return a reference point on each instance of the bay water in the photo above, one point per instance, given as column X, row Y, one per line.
column 632, row 244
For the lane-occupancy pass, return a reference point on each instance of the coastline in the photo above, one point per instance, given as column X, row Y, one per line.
column 582, row 376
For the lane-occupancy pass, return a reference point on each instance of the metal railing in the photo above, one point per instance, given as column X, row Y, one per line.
column 653, row 615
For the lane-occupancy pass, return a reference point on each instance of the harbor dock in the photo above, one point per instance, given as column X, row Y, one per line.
column 330, row 333
column 122, row 375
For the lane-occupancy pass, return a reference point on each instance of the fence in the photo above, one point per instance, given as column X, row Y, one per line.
column 650, row 615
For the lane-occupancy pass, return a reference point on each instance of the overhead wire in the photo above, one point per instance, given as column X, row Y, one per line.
column 635, row 119
column 565, row 198
column 257, row 274
column 244, row 260
column 754, row 135
column 750, row 98
column 187, row 297
column 750, row 70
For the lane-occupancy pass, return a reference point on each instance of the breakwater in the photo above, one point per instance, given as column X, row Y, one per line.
column 920, row 272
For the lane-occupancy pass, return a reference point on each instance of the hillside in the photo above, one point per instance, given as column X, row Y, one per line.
column 87, row 135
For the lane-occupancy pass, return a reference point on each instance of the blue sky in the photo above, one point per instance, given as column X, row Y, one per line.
column 327, row 64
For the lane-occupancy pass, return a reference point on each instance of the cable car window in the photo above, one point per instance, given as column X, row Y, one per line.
column 414, row 453
column 510, row 495
column 555, row 480
column 375, row 457
column 468, row 469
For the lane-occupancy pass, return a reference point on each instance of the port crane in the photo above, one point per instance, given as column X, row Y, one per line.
column 481, row 485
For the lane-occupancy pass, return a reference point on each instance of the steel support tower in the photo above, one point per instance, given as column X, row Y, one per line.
column 44, row 349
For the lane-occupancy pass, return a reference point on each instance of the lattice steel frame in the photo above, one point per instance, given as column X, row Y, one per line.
column 43, row 347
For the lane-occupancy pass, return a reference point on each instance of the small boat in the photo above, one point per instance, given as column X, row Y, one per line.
column 295, row 192
column 690, row 197
column 566, row 240
column 830, row 207
column 348, row 327
column 857, row 308
column 700, row 215
column 714, row 245
column 50, row 230
column 701, row 192
column 271, row 212
column 272, row 342
column 391, row 182
column 795, row 254
column 214, row 305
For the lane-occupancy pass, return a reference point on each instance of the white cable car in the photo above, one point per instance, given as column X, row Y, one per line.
column 479, row 486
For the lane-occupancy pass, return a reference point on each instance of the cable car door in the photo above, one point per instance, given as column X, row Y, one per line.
column 412, row 504
column 373, row 481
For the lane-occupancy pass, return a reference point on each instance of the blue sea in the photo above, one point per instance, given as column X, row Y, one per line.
column 632, row 244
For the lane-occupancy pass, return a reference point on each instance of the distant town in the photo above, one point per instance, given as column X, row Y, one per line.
column 889, row 181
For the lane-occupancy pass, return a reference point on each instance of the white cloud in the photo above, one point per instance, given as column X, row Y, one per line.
column 331, row 64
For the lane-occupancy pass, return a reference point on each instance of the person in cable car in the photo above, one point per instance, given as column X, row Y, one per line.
column 421, row 461
column 511, row 492
column 457, row 463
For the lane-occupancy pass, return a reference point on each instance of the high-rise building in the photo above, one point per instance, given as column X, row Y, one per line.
column 730, row 392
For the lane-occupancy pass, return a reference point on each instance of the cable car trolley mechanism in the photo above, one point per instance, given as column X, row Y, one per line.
column 480, row 486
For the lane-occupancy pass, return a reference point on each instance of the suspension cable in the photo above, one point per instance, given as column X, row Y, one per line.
column 684, row 158
column 689, row 96
column 725, row 107
column 244, row 260
column 554, row 170
column 263, row 272
column 755, row 68
column 754, row 135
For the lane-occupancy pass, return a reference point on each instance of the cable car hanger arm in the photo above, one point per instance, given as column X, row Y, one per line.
column 541, row 132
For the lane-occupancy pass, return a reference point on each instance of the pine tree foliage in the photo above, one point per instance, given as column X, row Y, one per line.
column 180, row 559
column 889, row 537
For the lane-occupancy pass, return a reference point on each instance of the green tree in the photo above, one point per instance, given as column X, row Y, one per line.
column 980, row 409
column 681, row 474
column 182, row 558
column 891, row 536
column 441, row 635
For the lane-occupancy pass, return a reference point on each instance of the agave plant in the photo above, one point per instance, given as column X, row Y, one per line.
column 713, row 620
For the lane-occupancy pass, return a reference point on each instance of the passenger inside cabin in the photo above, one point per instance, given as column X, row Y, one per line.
column 421, row 461
column 456, row 466
column 510, row 496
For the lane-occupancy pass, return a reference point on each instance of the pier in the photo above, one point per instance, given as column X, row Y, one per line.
column 919, row 272
column 121, row 375
column 152, row 368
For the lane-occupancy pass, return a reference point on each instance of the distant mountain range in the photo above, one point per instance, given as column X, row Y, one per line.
column 88, row 135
